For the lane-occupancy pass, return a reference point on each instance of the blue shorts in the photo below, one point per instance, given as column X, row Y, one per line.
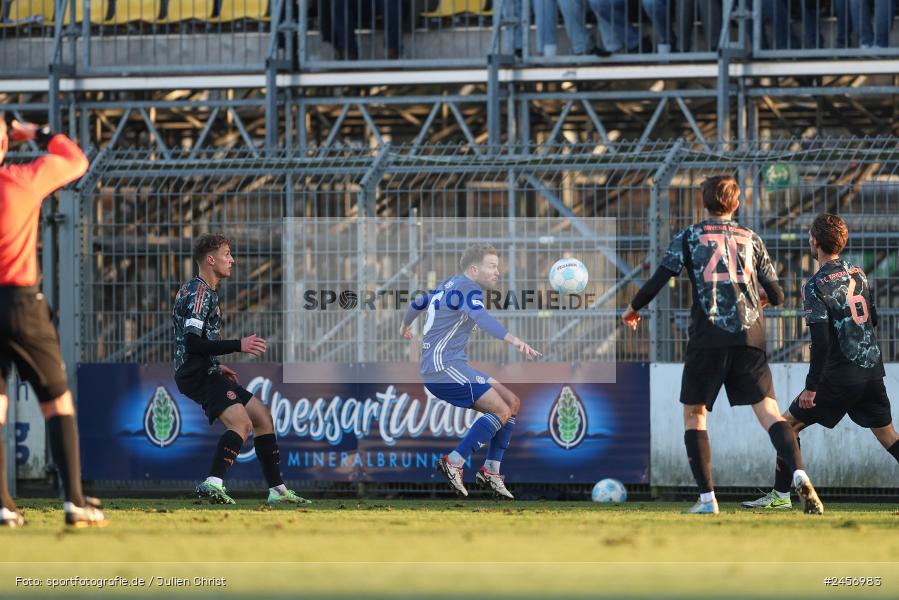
column 460, row 385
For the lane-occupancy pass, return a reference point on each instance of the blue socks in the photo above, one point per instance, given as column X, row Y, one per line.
column 480, row 433
column 499, row 444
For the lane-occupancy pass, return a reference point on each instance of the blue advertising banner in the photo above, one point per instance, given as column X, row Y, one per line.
column 136, row 425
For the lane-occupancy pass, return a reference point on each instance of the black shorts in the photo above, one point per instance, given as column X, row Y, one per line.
column 212, row 391
column 743, row 370
column 866, row 403
column 28, row 340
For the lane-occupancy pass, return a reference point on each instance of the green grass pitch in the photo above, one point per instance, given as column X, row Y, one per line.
column 452, row 549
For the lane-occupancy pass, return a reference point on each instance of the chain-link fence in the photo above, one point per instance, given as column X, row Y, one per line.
column 139, row 213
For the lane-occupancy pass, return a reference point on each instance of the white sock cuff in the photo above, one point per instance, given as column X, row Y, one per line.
column 494, row 421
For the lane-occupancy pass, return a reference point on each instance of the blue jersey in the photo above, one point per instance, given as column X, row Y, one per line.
column 454, row 309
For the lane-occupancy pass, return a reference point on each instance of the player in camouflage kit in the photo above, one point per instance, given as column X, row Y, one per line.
column 215, row 387
column 726, row 263
column 846, row 372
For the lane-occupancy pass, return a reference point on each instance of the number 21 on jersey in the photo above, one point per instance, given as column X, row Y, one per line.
column 733, row 244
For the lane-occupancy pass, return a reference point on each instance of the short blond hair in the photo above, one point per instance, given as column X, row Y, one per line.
column 474, row 255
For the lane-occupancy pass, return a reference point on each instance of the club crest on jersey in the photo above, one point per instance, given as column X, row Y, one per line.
column 568, row 419
column 162, row 419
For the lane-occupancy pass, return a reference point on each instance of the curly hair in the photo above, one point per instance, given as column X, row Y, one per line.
column 830, row 232
column 208, row 242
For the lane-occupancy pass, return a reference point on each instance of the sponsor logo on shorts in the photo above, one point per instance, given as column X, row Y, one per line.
column 480, row 379
column 568, row 419
column 231, row 395
column 162, row 419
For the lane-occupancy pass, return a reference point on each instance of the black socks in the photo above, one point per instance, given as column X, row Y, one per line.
column 784, row 441
column 699, row 453
column 269, row 458
column 783, row 476
column 63, row 434
column 225, row 453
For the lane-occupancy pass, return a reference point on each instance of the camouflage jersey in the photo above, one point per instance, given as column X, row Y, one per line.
column 838, row 294
column 725, row 262
column 196, row 311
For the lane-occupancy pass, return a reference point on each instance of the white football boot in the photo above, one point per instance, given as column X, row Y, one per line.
column 453, row 475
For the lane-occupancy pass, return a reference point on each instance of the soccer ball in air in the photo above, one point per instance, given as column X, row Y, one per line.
column 610, row 491
column 568, row 276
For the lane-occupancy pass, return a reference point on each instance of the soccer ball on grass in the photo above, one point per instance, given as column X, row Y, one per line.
column 609, row 491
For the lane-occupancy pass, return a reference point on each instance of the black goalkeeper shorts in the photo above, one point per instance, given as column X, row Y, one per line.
column 28, row 340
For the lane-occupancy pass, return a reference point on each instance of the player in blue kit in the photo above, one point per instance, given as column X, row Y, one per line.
column 453, row 310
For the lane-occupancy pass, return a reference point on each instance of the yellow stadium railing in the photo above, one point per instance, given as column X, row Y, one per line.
column 449, row 8
column 187, row 10
column 131, row 11
column 240, row 10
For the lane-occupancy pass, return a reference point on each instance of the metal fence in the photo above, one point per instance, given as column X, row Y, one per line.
column 139, row 212
column 213, row 36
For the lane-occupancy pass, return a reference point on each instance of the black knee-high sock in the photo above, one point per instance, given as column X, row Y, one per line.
column 894, row 450
column 269, row 458
column 699, row 453
column 63, row 434
column 225, row 453
column 5, row 499
column 784, row 441
column 783, row 476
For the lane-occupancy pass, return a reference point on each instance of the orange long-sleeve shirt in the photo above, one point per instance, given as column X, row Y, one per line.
column 22, row 190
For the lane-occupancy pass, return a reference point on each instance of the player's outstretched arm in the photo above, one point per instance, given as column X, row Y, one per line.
column 644, row 296
column 523, row 348
column 64, row 163
column 195, row 344
column 252, row 344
